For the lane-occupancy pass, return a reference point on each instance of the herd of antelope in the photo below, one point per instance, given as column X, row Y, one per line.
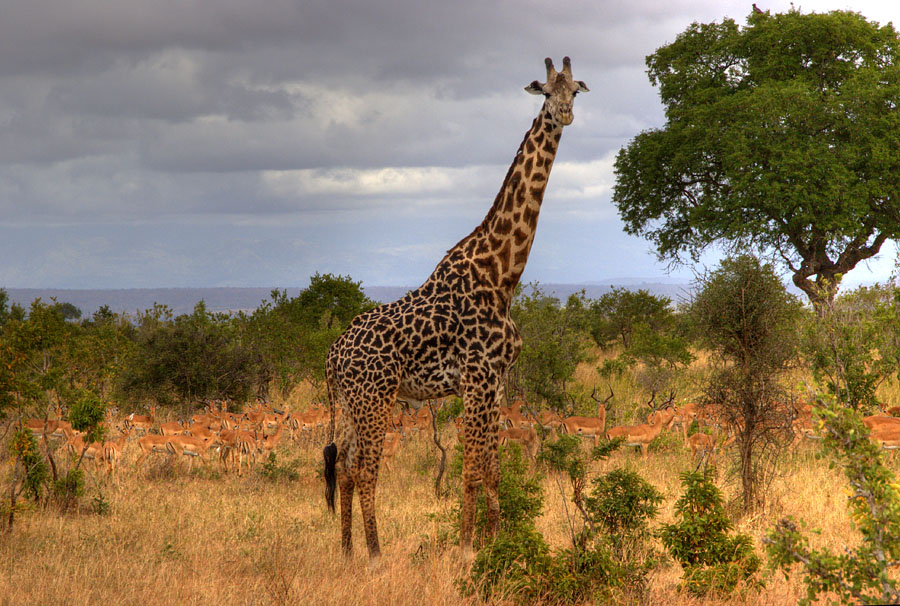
column 242, row 439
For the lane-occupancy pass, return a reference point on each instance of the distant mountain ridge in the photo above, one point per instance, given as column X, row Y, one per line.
column 234, row 299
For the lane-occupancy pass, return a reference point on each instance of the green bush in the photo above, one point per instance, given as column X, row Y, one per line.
column 24, row 448
column 714, row 561
column 621, row 504
column 274, row 471
column 607, row 554
column 862, row 575
column 520, row 494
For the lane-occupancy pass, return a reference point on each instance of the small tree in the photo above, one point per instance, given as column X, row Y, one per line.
column 616, row 314
column 714, row 561
column 29, row 473
column 554, row 342
column 750, row 323
column 853, row 343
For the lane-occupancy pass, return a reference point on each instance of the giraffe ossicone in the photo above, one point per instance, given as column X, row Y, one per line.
column 451, row 336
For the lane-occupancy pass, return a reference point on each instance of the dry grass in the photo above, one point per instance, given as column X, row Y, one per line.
column 172, row 537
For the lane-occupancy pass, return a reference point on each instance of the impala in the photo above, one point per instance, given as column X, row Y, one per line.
column 878, row 422
column 270, row 441
column 639, row 435
column 113, row 449
column 585, row 426
column 516, row 420
column 526, row 437
column 190, row 447
column 150, row 444
column 172, row 428
column 392, row 442
column 78, row 448
column 227, row 447
column 684, row 416
column 40, row 427
column 246, row 445
column 199, row 431
column 141, row 423
column 888, row 438
column 708, row 443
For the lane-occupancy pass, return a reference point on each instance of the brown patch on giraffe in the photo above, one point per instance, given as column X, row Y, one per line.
column 539, row 176
column 521, row 257
column 527, row 166
column 529, row 216
column 503, row 226
column 519, row 236
column 503, row 256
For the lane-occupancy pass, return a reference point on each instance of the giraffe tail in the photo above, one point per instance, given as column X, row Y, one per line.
column 330, row 454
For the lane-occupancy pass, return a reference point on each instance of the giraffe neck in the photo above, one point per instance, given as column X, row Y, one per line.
column 498, row 248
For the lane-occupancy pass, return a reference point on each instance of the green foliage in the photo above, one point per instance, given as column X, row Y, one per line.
column 274, row 471
column 621, row 505
column 293, row 335
column 191, row 358
column 520, row 494
column 750, row 322
column 713, row 560
column 68, row 311
column 853, row 343
column 863, row 574
column 34, row 353
column 554, row 342
column 4, row 307
column 519, row 565
column 86, row 413
column 514, row 564
column 24, row 449
column 779, row 135
column 616, row 315
column 68, row 488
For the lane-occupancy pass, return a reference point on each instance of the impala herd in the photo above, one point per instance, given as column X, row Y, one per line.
column 242, row 439
column 238, row 439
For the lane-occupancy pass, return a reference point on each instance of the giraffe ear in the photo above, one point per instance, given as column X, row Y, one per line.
column 535, row 88
column 582, row 87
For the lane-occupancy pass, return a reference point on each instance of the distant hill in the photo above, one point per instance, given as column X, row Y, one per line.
column 182, row 300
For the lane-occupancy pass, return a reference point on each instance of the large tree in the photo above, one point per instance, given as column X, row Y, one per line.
column 781, row 136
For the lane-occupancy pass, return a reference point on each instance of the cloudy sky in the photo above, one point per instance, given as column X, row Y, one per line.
column 235, row 143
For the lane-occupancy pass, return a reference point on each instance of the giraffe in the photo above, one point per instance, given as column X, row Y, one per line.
column 451, row 336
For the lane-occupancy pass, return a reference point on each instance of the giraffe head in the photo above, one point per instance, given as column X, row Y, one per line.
column 560, row 91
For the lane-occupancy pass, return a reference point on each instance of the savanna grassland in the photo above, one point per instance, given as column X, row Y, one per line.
column 172, row 536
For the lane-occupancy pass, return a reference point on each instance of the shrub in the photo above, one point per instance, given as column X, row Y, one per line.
column 713, row 561
column 274, row 471
column 860, row 575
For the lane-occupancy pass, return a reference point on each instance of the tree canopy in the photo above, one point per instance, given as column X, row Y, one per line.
column 780, row 136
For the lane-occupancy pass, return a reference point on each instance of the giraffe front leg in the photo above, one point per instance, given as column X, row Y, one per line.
column 490, row 472
column 367, row 485
column 471, row 483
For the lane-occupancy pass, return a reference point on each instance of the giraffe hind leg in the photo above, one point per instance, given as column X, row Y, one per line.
column 346, row 487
